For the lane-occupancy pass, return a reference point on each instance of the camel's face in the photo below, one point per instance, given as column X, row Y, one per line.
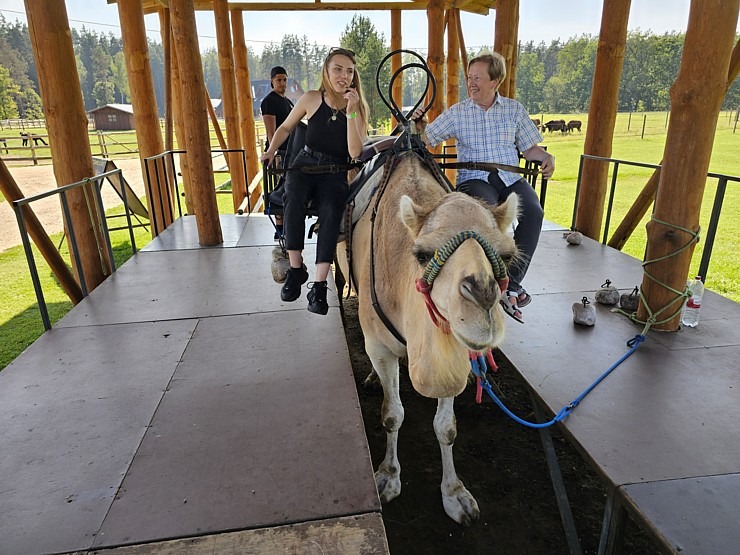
column 465, row 292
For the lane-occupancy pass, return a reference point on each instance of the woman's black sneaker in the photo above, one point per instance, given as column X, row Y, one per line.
column 317, row 298
column 292, row 287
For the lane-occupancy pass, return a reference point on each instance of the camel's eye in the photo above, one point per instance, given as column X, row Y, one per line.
column 423, row 257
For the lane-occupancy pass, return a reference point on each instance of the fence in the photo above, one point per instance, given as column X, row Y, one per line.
column 21, row 124
column 719, row 197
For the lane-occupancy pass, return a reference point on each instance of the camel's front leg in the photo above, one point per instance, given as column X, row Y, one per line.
column 388, row 475
column 459, row 503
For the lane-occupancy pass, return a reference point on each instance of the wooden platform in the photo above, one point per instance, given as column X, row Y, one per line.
column 662, row 429
column 176, row 409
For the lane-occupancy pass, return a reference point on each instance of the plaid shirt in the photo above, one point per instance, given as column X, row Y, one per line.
column 494, row 135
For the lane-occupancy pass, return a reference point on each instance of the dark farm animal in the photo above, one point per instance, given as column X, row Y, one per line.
column 574, row 124
column 537, row 122
column 556, row 125
column 26, row 136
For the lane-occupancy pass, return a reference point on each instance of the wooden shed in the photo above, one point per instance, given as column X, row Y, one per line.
column 113, row 117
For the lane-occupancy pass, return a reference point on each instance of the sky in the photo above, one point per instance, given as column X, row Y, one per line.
column 539, row 20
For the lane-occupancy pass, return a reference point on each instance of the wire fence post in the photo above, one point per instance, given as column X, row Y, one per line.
column 629, row 121
column 644, row 121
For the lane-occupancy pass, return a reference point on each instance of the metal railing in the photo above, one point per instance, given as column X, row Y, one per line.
column 165, row 169
column 719, row 197
column 98, row 181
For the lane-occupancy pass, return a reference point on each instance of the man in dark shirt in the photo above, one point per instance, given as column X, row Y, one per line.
column 275, row 108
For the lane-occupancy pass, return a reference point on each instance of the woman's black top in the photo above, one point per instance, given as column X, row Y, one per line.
column 327, row 131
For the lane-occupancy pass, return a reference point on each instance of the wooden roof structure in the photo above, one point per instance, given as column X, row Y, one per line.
column 695, row 101
column 481, row 7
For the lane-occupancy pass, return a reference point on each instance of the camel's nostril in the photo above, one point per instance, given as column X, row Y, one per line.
column 481, row 292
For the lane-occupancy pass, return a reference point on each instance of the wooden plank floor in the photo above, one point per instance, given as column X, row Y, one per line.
column 184, row 406
column 668, row 413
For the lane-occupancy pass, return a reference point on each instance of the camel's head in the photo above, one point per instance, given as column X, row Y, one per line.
column 465, row 291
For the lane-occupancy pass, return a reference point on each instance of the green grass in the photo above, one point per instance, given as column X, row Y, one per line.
column 724, row 269
column 20, row 321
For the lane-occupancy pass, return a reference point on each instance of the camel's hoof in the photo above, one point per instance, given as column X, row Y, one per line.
column 461, row 506
column 389, row 486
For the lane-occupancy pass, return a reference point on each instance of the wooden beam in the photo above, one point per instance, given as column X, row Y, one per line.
column 436, row 56
column 46, row 246
column 216, row 125
column 482, row 8
column 144, row 102
column 66, row 121
column 734, row 65
column 396, row 61
column 696, row 98
column 244, row 96
column 463, row 51
column 194, row 112
column 505, row 42
column 602, row 115
column 228, row 100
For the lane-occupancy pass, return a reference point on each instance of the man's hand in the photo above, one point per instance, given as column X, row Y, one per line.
column 547, row 166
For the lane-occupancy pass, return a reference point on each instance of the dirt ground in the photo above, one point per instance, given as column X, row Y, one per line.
column 33, row 180
column 501, row 462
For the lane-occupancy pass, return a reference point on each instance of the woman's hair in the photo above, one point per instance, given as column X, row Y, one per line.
column 496, row 65
column 328, row 90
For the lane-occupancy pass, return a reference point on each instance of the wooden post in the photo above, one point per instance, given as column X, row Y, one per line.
column 164, row 25
column 245, row 99
column 453, row 68
column 144, row 102
column 696, row 98
column 602, row 115
column 180, row 130
column 505, row 42
column 48, row 250
column 195, row 114
column 396, row 61
column 436, row 57
column 228, row 100
column 51, row 40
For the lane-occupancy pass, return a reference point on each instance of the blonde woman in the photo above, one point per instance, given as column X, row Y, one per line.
column 337, row 128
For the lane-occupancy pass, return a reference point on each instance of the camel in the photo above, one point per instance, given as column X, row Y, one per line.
column 415, row 216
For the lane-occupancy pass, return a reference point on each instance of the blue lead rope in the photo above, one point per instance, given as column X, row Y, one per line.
column 478, row 367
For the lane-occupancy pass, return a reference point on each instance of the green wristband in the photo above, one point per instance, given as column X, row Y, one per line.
column 353, row 115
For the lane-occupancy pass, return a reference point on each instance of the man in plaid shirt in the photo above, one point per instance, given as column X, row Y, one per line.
column 491, row 128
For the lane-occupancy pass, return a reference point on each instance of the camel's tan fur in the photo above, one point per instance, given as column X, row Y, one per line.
column 416, row 216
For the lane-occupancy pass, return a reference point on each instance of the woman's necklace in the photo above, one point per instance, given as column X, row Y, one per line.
column 334, row 112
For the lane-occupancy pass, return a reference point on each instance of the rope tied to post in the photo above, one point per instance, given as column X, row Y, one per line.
column 680, row 296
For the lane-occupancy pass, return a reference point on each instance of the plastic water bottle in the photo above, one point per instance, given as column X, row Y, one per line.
column 690, row 315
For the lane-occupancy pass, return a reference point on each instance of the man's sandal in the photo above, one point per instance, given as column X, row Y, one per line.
column 512, row 309
column 523, row 298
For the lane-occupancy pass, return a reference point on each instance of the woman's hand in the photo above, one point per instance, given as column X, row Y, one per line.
column 353, row 100
column 267, row 157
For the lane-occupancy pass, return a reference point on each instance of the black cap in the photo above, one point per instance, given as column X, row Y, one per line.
column 277, row 70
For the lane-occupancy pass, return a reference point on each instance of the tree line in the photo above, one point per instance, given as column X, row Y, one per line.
column 552, row 78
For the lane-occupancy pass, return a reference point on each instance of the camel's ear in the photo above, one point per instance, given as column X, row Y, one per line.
column 506, row 212
column 412, row 215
